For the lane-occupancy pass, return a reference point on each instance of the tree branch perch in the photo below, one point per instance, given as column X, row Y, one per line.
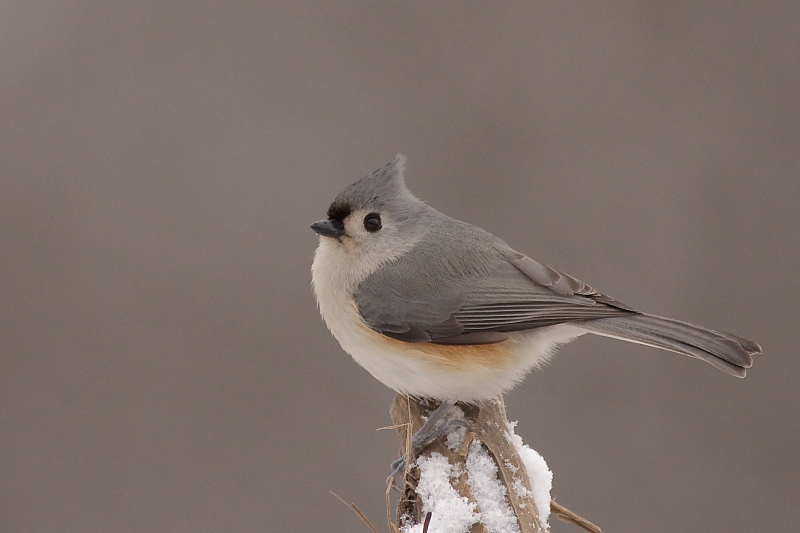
column 487, row 427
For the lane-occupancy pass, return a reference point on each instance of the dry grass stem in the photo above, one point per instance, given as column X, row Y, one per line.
column 358, row 512
column 392, row 527
column 565, row 515
column 387, row 427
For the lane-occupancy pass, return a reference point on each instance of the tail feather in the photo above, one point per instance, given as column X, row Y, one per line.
column 728, row 352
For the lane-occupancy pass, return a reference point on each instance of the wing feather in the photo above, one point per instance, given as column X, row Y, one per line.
column 475, row 298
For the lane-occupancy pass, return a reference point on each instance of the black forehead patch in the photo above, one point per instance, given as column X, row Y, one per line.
column 339, row 211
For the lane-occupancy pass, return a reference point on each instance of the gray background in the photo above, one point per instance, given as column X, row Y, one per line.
column 163, row 365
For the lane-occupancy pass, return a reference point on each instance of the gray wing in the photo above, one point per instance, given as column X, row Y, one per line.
column 506, row 292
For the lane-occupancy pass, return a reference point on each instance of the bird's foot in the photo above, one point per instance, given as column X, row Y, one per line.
column 433, row 428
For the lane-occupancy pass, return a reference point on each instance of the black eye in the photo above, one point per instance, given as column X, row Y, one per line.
column 372, row 222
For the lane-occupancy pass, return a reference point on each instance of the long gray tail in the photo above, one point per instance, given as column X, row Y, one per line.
column 728, row 352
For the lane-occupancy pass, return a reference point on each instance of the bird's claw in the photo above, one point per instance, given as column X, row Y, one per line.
column 430, row 431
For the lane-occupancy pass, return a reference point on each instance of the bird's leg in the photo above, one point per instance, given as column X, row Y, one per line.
column 429, row 431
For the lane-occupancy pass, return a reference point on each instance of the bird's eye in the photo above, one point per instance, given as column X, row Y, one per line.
column 372, row 222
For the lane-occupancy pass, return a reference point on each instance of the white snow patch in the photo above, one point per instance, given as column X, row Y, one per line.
column 541, row 478
column 495, row 511
column 451, row 513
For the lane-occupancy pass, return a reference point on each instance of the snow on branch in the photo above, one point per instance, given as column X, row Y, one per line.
column 476, row 477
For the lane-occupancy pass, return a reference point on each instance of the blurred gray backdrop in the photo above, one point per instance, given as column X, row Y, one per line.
column 163, row 364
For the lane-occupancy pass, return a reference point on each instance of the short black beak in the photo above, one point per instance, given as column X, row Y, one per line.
column 329, row 228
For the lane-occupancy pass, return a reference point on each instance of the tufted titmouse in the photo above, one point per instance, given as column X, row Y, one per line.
column 437, row 308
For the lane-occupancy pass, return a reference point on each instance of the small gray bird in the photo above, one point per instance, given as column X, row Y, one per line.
column 437, row 308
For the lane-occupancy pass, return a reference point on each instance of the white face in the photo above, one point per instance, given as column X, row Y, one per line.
column 370, row 240
column 374, row 237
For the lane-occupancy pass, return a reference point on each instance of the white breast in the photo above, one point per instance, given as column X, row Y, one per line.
column 424, row 369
